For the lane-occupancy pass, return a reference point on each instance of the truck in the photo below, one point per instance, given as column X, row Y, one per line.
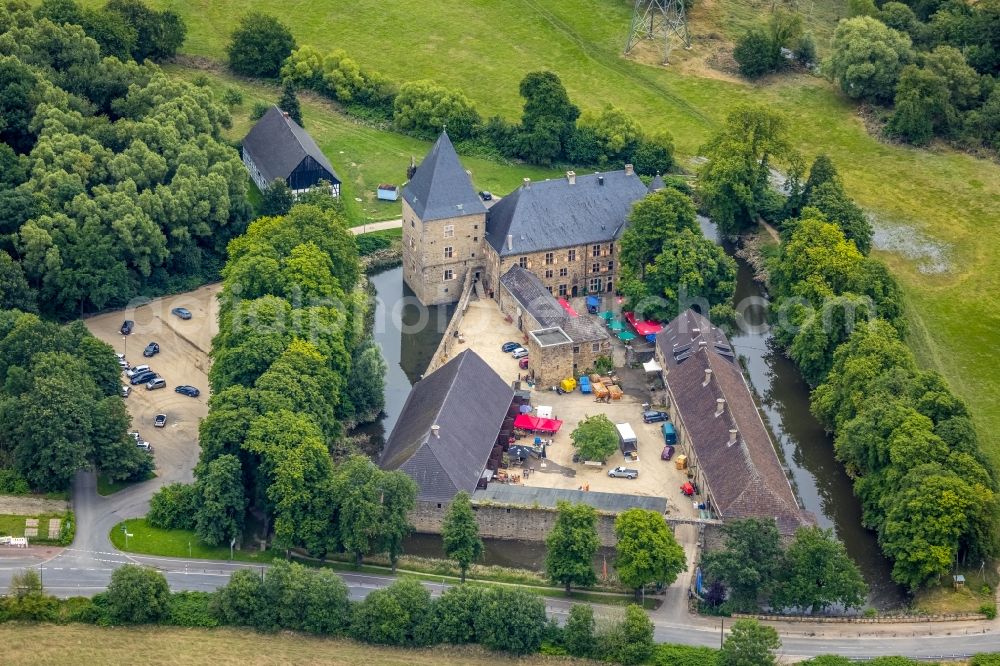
column 623, row 473
column 627, row 441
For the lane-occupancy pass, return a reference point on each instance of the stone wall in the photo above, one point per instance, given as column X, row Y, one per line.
column 449, row 340
column 426, row 249
column 579, row 271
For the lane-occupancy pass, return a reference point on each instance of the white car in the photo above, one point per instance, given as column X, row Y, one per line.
column 126, row 390
column 520, row 352
column 137, row 370
column 121, row 361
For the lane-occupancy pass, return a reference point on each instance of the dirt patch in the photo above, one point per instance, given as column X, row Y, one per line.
column 183, row 359
column 929, row 255
column 14, row 505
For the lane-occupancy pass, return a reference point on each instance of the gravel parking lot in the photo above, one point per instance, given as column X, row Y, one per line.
column 183, row 359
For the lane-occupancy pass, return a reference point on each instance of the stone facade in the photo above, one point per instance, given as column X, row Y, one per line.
column 438, row 255
column 566, row 271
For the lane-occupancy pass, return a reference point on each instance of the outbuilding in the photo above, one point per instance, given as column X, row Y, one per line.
column 277, row 148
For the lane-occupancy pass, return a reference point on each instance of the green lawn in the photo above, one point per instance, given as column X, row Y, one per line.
column 147, row 540
column 106, row 486
column 11, row 525
column 485, row 47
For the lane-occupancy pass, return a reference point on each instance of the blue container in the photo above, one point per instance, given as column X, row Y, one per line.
column 669, row 434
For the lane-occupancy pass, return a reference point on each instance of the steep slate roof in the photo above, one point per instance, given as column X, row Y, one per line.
column 278, row 144
column 441, row 188
column 469, row 402
column 656, row 184
column 745, row 479
column 553, row 213
column 536, row 300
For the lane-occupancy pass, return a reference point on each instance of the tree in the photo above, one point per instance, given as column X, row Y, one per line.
column 511, row 620
column 647, row 551
column 289, row 103
column 219, row 517
column 805, row 50
column 757, row 54
column 631, row 641
column 460, row 533
column 922, row 106
column 831, row 200
column 748, row 562
column 749, row 644
column 396, row 615
column 578, row 635
column 137, row 595
column 14, row 289
column 548, row 121
column 784, row 27
column 158, row 34
column 654, row 220
column 654, row 154
column 899, row 17
column 356, row 493
column 367, row 385
column 174, row 507
column 595, row 438
column 259, row 45
column 424, row 109
column 616, row 132
column 817, row 572
column 276, row 198
column 571, row 545
column 397, row 497
column 734, row 182
column 868, row 58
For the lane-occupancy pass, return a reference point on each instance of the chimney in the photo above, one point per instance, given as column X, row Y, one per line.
column 527, row 182
column 732, row 436
column 285, row 114
column 708, row 376
column 600, row 180
column 436, row 429
column 720, row 406
column 510, row 242
column 571, row 177
column 629, row 170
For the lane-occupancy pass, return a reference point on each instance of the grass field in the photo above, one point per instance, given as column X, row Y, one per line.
column 485, row 47
column 14, row 526
column 147, row 540
column 56, row 645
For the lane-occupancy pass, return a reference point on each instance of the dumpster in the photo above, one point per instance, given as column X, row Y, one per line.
column 584, row 384
column 568, row 384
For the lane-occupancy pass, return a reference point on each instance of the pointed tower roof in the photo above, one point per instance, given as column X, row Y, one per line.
column 656, row 184
column 441, row 188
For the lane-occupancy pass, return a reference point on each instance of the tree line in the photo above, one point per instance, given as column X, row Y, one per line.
column 552, row 129
column 293, row 366
column 906, row 440
column 115, row 180
column 61, row 408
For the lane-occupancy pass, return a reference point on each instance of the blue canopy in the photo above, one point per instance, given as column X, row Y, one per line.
column 593, row 301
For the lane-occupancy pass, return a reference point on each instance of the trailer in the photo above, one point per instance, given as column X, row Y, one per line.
column 627, row 441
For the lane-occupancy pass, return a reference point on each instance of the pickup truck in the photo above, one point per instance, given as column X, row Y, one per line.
column 623, row 472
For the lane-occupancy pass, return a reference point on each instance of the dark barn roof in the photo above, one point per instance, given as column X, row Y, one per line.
column 745, row 479
column 554, row 213
column 537, row 301
column 441, row 188
column 468, row 401
column 278, row 145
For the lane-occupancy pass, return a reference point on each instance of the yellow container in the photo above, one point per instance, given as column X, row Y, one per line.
column 568, row 384
column 682, row 462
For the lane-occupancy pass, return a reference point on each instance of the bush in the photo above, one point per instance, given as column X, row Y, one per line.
column 174, row 507
column 258, row 110
column 80, row 609
column 655, row 154
column 455, row 614
column 191, row 609
column 986, row 659
column 400, row 614
column 12, row 483
column 578, row 636
column 232, row 96
column 423, row 108
column 805, row 50
column 372, row 243
column 259, row 46
column 240, row 603
column 989, row 610
column 631, row 641
column 756, row 54
column 511, row 620
column 668, row 654
column 137, row 595
column 34, row 607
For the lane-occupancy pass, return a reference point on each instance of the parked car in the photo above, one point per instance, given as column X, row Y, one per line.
column 183, row 313
column 486, row 195
column 160, row 421
column 151, row 349
column 143, row 378
column 137, row 370
column 623, row 473
column 520, row 352
column 156, row 383
column 667, row 453
column 121, row 361
column 191, row 391
column 127, row 327
column 145, row 446
column 654, row 416
column 508, row 347
column 126, row 390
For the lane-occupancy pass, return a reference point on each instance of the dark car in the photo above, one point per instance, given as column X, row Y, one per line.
column 127, row 327
column 508, row 347
column 485, row 195
column 151, row 349
column 667, row 453
column 191, row 391
column 653, row 416
column 160, row 421
column 143, row 377
column 183, row 313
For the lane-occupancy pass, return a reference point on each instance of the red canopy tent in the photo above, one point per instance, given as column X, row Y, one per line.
column 643, row 327
column 534, row 423
column 567, row 307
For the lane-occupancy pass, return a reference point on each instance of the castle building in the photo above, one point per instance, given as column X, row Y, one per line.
column 563, row 230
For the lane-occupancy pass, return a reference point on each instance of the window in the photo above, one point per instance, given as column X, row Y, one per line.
column 475, row 239
column 571, row 256
column 412, row 224
column 611, row 265
column 523, row 262
column 549, row 258
column 563, row 272
column 448, row 252
column 562, row 290
column 475, row 226
column 611, row 248
column 595, row 268
column 596, row 249
column 595, row 285
column 576, row 349
column 595, row 347
column 449, row 231
column 550, row 289
column 449, row 274
column 548, row 273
